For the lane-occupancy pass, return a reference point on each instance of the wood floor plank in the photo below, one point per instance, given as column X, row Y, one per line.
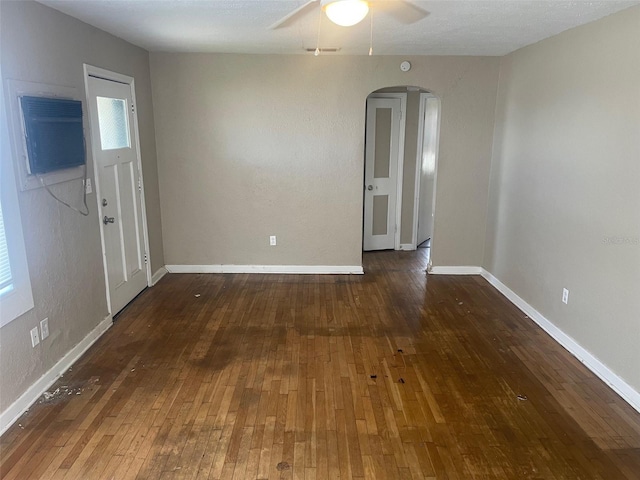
column 394, row 374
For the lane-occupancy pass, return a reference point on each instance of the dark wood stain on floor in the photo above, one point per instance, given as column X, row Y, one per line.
column 390, row 375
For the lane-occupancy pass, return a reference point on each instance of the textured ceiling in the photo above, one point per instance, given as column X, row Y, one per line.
column 471, row 27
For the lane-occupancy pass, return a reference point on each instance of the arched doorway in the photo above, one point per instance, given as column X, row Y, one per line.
column 401, row 149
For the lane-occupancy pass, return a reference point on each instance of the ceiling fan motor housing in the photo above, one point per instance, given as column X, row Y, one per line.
column 345, row 12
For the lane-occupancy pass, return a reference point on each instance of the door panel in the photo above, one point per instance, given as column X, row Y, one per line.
column 381, row 172
column 118, row 188
column 380, row 215
column 112, row 236
column 134, row 253
column 428, row 170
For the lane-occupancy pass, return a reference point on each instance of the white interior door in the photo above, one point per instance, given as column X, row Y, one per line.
column 381, row 173
column 118, row 188
column 427, row 166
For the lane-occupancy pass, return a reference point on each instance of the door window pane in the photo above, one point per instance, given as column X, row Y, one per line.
column 383, row 143
column 112, row 119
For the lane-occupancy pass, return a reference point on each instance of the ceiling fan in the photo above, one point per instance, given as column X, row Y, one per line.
column 350, row 12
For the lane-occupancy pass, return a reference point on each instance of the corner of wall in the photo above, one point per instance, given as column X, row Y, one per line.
column 490, row 190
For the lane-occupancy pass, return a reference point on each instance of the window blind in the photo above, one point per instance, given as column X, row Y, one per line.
column 5, row 267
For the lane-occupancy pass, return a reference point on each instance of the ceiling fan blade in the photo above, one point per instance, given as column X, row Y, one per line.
column 402, row 10
column 290, row 17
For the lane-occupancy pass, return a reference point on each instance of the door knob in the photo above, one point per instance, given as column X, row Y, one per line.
column 369, row 187
column 104, row 202
column 106, row 220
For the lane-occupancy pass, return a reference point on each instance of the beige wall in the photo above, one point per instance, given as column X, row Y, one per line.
column 257, row 145
column 41, row 45
column 565, row 185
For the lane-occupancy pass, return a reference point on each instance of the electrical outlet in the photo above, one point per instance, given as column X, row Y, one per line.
column 35, row 339
column 88, row 188
column 44, row 328
column 565, row 296
column 272, row 240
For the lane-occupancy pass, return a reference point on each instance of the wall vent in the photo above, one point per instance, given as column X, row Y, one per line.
column 324, row 50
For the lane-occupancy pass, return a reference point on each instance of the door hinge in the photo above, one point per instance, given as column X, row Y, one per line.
column 146, row 260
column 133, row 108
column 139, row 185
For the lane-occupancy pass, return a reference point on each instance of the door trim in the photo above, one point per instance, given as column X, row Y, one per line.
column 91, row 71
column 403, row 115
column 419, row 151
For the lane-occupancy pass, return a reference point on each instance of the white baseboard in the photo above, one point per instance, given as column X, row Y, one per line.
column 406, row 247
column 617, row 384
column 22, row 404
column 455, row 270
column 288, row 269
column 155, row 278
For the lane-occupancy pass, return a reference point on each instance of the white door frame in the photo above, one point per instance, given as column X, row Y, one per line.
column 403, row 109
column 419, row 151
column 91, row 71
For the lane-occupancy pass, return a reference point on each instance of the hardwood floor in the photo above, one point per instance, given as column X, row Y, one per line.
column 390, row 375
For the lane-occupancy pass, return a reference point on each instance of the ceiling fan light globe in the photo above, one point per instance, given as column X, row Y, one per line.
column 346, row 12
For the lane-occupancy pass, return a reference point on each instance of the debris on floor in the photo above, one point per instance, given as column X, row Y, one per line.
column 401, row 380
column 50, row 395
column 283, row 466
column 374, row 376
column 522, row 398
column 399, row 350
column 197, row 295
column 64, row 390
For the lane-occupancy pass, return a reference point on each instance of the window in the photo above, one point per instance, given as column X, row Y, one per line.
column 114, row 129
column 15, row 285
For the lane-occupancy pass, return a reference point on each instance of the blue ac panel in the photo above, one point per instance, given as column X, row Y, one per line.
column 54, row 135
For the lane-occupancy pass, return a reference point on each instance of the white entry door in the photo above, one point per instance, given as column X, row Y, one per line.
column 381, row 172
column 119, row 189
